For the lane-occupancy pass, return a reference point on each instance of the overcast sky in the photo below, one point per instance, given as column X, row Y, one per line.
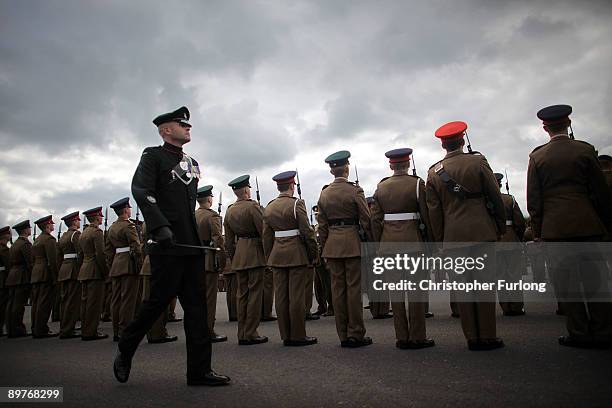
column 277, row 85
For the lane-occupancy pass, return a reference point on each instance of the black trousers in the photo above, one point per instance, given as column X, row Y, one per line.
column 174, row 276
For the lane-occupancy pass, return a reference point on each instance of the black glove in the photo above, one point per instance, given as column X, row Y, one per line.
column 164, row 237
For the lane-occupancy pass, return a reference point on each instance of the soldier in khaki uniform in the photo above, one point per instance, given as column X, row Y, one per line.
column 243, row 229
column 18, row 280
column 92, row 275
column 70, row 254
column 460, row 190
column 399, row 214
column 379, row 310
column 231, row 289
column 5, row 236
column 124, row 259
column 569, row 201
column 342, row 210
column 510, row 260
column 291, row 249
column 158, row 332
column 44, row 278
column 211, row 234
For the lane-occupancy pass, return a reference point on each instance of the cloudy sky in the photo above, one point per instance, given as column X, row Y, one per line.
column 277, row 85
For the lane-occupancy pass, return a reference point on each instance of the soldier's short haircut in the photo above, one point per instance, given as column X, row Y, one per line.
column 452, row 144
column 91, row 218
column 339, row 171
column 405, row 165
column 558, row 127
column 119, row 211
column 283, row 187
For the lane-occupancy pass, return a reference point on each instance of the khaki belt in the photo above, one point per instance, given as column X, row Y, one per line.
column 70, row 256
column 509, row 222
column 402, row 216
column 286, row 233
column 122, row 250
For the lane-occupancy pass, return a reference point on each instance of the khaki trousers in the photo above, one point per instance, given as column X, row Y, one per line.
column 92, row 301
column 230, row 296
column 409, row 326
column 308, row 289
column 70, row 306
column 510, row 267
column 158, row 330
column 289, row 290
column 124, row 301
column 346, row 296
column 18, row 296
column 268, row 294
column 210, row 295
column 379, row 308
column 42, row 303
column 249, row 299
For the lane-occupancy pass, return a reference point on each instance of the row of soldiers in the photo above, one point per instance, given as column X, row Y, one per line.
column 461, row 202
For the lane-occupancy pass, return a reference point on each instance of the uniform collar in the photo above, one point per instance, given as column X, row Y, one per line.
column 453, row 153
column 285, row 195
column 172, row 148
column 340, row 179
column 560, row 136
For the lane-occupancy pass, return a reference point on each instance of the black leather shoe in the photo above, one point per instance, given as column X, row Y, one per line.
column 256, row 340
column 217, row 338
column 428, row 315
column 570, row 341
column 72, row 335
column 352, row 342
column 269, row 319
column 121, row 367
column 98, row 336
column 319, row 312
column 383, row 316
column 116, row 339
column 311, row 316
column 306, row 341
column 514, row 313
column 46, row 335
column 211, row 379
column 485, row 344
column 166, row 339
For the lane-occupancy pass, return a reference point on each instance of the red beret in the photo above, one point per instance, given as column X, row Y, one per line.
column 451, row 130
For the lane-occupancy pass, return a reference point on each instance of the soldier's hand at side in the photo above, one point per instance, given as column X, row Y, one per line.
column 163, row 236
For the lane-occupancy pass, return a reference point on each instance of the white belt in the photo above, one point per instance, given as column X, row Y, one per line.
column 121, row 250
column 402, row 216
column 70, row 256
column 2, row 268
column 287, row 233
column 509, row 222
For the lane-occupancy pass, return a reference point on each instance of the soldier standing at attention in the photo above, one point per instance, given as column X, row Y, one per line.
column 164, row 186
column 342, row 211
column 569, row 201
column 44, row 277
column 5, row 236
column 211, row 234
column 243, row 229
column 291, row 249
column 158, row 332
column 124, row 258
column 71, row 255
column 399, row 214
column 18, row 280
column 465, row 206
column 92, row 275
column 510, row 260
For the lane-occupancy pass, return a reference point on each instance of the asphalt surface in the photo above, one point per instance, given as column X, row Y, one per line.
column 532, row 370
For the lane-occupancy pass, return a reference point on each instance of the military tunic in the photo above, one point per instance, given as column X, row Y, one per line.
column 291, row 258
column 124, row 257
column 18, row 282
column 210, row 232
column 455, row 218
column 342, row 209
column 243, row 229
column 71, row 256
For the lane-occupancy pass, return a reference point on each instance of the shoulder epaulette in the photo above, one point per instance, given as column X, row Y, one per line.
column 539, row 147
column 434, row 165
column 383, row 179
column 324, row 187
